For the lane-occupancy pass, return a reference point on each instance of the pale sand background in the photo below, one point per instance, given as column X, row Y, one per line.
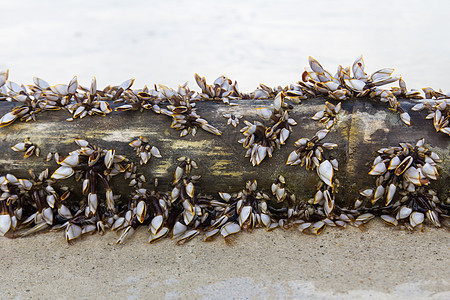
column 378, row 263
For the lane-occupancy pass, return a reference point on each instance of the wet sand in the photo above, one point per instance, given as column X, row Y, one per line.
column 377, row 263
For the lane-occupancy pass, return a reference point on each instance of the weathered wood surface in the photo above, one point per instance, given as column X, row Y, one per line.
column 363, row 126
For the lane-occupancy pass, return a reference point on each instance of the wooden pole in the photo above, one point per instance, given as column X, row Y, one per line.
column 363, row 126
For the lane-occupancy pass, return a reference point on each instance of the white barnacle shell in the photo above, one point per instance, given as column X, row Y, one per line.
column 141, row 209
column 7, row 119
column 412, row 175
column 5, row 224
column 318, row 197
column 244, row 214
column 389, row 220
column 72, row 87
column 229, row 228
column 19, row 147
column 118, row 223
column 3, row 180
column 318, row 227
column 264, row 113
column 71, row 160
column 280, row 194
column 418, row 107
column 403, row 212
column 404, row 165
column 64, row 212
column 315, row 65
column 265, row 220
column 174, row 194
column 355, row 84
column 105, row 107
column 435, row 157
column 178, row 229
column 393, row 164
column 416, row 218
column 92, row 202
column 330, row 146
column 109, row 199
column 293, row 157
column 284, row 134
column 62, row 173
column 60, row 89
column 301, row 142
column 47, row 215
column 405, row 117
column 72, row 232
column 304, row 226
column 109, row 158
column 178, row 174
column 329, row 203
column 322, row 133
column 81, row 143
column 390, row 193
column 155, row 152
column 433, row 217
column 145, row 156
column 51, row 199
column 325, row 172
column 161, row 233
column 378, row 169
column 12, row 179
column 366, row 193
column 318, row 115
column 225, row 196
column 331, row 85
column 364, row 217
column 26, row 184
column 379, row 192
column 278, row 101
column 211, row 234
column 430, row 171
column 190, row 189
column 156, row 224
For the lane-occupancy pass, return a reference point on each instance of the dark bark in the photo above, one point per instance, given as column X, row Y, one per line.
column 364, row 125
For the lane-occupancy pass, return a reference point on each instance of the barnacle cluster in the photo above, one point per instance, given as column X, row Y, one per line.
column 328, row 115
column 259, row 140
column 91, row 164
column 438, row 110
column 401, row 196
column 403, row 175
column 28, row 147
column 144, row 150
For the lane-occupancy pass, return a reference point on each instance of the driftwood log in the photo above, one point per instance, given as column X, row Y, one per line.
column 364, row 126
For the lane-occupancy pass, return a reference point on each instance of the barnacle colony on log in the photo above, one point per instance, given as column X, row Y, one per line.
column 403, row 194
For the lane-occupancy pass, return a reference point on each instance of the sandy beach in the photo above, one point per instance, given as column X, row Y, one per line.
column 378, row 262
